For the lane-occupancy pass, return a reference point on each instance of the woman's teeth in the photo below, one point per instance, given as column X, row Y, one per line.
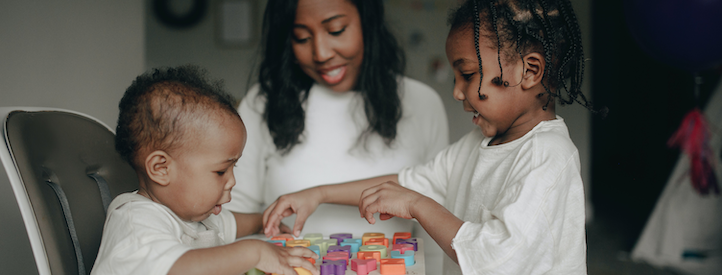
column 476, row 114
column 333, row 72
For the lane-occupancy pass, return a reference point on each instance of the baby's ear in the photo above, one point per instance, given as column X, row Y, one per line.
column 533, row 70
column 157, row 165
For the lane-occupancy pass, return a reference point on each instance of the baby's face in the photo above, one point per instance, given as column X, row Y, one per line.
column 202, row 172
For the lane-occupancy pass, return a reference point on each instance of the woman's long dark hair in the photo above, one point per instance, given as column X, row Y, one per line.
column 286, row 86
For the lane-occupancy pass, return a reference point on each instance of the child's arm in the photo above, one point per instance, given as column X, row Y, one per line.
column 252, row 223
column 390, row 198
column 241, row 256
column 304, row 202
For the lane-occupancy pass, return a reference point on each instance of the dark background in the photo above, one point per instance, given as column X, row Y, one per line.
column 647, row 100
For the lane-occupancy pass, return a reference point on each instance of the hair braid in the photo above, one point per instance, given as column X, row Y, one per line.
column 477, row 23
column 576, row 81
column 499, row 80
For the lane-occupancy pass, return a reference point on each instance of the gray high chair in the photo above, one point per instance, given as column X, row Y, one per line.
column 60, row 173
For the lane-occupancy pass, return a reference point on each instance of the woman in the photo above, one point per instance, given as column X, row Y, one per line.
column 332, row 105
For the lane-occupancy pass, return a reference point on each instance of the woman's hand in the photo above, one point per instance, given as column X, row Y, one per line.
column 301, row 203
column 389, row 199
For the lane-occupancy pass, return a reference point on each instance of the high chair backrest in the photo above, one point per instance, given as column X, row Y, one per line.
column 63, row 170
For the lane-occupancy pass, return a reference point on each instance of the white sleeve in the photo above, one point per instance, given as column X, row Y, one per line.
column 250, row 171
column 139, row 238
column 536, row 227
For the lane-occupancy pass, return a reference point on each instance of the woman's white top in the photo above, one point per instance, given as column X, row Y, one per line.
column 330, row 152
column 522, row 202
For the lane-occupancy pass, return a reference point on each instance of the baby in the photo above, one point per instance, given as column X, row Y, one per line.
column 182, row 135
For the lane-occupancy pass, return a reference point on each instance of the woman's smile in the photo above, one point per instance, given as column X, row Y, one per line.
column 333, row 76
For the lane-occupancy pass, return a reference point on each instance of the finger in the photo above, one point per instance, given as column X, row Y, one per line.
column 268, row 212
column 370, row 197
column 274, row 220
column 298, row 223
column 363, row 201
column 272, row 227
column 309, row 266
column 385, row 216
column 285, row 229
column 287, row 212
column 369, row 215
column 369, row 211
column 302, row 252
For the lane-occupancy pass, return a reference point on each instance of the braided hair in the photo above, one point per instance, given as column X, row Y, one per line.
column 546, row 26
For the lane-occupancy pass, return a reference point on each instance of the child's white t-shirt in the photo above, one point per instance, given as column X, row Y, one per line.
column 144, row 237
column 522, row 202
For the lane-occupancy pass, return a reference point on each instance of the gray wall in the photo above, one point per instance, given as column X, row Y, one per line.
column 70, row 54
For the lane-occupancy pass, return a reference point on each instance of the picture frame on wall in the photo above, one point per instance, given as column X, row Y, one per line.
column 236, row 24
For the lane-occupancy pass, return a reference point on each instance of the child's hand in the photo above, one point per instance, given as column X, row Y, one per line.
column 283, row 228
column 301, row 203
column 389, row 199
column 282, row 260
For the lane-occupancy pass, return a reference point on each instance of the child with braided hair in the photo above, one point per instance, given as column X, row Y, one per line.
column 508, row 197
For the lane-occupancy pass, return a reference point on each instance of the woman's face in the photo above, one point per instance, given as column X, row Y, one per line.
column 327, row 41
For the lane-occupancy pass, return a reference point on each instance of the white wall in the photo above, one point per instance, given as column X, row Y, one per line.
column 70, row 54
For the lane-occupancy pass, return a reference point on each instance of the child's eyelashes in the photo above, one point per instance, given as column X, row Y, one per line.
column 223, row 172
column 467, row 76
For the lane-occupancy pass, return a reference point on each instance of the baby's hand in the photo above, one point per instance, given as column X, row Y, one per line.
column 389, row 199
column 282, row 260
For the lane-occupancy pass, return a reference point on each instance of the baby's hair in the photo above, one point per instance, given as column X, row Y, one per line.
column 285, row 86
column 519, row 27
column 160, row 105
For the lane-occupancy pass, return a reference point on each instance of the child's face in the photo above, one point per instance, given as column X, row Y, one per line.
column 328, row 42
column 503, row 113
column 201, row 175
